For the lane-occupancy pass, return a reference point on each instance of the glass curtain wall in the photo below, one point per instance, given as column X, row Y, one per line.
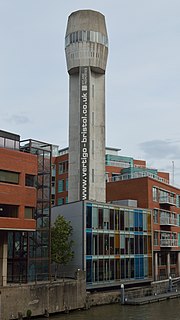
column 118, row 244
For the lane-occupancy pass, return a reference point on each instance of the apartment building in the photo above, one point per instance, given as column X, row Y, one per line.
column 152, row 190
column 17, row 205
column 25, row 206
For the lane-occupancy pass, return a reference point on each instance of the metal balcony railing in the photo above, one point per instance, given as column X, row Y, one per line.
column 167, row 200
column 168, row 243
column 168, row 220
column 137, row 175
column 117, row 164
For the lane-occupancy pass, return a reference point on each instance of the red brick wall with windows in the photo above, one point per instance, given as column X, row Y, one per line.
column 61, row 176
column 18, row 194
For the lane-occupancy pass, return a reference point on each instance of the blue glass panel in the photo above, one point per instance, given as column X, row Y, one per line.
column 136, row 274
column 141, row 221
column 136, row 220
column 141, row 267
column 88, row 270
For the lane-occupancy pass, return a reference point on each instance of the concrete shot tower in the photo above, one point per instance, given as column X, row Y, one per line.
column 86, row 47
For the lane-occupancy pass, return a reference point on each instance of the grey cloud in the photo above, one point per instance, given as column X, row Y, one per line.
column 17, row 119
column 161, row 149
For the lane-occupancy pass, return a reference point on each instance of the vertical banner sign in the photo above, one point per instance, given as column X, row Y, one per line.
column 84, row 133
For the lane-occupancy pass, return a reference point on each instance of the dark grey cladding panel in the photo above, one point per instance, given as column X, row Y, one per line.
column 9, row 135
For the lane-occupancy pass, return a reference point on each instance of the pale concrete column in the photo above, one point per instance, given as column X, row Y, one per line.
column 3, row 258
column 178, row 266
column 156, row 266
column 168, row 264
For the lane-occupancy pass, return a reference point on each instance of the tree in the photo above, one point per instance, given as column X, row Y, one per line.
column 61, row 242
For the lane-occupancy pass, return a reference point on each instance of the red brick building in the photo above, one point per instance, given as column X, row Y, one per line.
column 163, row 199
column 25, row 209
column 17, row 193
column 60, row 178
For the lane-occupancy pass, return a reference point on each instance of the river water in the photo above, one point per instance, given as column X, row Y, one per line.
column 165, row 310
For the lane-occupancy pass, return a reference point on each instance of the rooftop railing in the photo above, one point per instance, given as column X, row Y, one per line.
column 136, row 175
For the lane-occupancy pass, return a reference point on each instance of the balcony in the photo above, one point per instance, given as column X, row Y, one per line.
column 168, row 243
column 167, row 199
column 168, row 219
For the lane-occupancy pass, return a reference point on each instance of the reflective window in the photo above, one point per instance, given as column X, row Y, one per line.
column 9, row 143
column 60, row 185
column 29, row 213
column 60, row 201
column 1, row 142
column 7, row 210
column 29, row 180
column 9, row 177
column 80, row 36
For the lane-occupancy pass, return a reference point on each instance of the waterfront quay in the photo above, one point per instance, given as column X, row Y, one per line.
column 66, row 295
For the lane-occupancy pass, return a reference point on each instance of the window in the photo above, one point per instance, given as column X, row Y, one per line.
column 155, row 193
column 155, row 238
column 9, row 211
column 162, row 261
column 53, row 171
column 80, row 36
column 60, row 201
column 28, row 213
column 29, row 180
column 63, row 167
column 9, row 143
column 122, row 220
column 9, row 177
column 106, row 219
column 178, row 201
column 66, row 184
column 89, row 217
column 1, row 142
column 88, row 243
column 60, row 185
column 155, row 215
column 95, row 218
column 100, row 218
column 111, row 219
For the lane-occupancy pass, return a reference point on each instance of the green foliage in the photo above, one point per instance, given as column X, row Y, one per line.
column 61, row 243
column 28, row 313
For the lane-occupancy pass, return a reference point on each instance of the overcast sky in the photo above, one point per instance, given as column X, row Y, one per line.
column 142, row 78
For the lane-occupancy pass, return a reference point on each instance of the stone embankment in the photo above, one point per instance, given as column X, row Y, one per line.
column 38, row 299
column 17, row 301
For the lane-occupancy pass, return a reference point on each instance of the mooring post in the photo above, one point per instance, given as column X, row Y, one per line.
column 122, row 293
column 170, row 283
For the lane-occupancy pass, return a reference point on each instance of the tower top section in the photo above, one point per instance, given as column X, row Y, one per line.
column 86, row 41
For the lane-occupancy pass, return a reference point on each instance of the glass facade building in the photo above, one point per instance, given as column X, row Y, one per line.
column 112, row 243
column 118, row 243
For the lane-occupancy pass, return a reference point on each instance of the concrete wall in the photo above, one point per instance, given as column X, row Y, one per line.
column 59, row 296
